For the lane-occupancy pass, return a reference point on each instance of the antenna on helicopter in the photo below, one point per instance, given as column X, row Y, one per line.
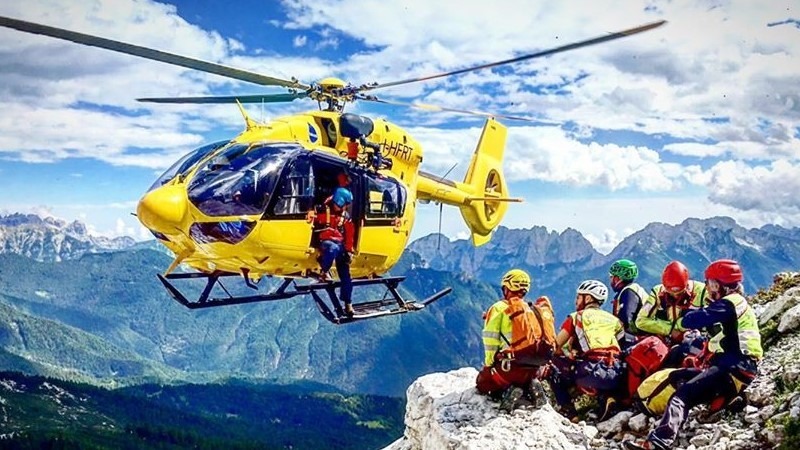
column 439, row 233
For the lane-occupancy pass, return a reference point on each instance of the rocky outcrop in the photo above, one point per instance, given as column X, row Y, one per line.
column 444, row 410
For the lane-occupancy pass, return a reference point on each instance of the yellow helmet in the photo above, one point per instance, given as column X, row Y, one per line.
column 517, row 280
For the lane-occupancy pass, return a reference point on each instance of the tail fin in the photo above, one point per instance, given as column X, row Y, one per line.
column 484, row 210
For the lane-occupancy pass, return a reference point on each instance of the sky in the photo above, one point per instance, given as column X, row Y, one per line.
column 697, row 118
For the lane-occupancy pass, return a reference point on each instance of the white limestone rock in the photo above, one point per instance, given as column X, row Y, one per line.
column 785, row 301
column 445, row 411
column 790, row 320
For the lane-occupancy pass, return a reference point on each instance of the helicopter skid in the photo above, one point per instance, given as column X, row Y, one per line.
column 324, row 295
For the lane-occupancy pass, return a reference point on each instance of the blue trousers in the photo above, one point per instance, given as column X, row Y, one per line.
column 333, row 252
column 603, row 378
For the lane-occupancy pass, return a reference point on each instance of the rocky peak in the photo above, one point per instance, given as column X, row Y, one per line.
column 52, row 239
column 445, row 411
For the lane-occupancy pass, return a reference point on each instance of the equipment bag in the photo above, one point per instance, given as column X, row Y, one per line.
column 546, row 318
column 653, row 394
column 644, row 359
column 532, row 333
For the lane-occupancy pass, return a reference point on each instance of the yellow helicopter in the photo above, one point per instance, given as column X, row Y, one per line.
column 246, row 207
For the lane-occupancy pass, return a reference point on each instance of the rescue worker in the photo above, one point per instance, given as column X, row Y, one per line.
column 736, row 351
column 669, row 301
column 628, row 297
column 512, row 354
column 336, row 235
column 590, row 337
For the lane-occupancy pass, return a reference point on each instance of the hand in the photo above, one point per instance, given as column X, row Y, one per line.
column 676, row 336
column 348, row 258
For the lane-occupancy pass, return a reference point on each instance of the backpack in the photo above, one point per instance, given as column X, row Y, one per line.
column 644, row 359
column 653, row 394
column 532, row 331
column 546, row 318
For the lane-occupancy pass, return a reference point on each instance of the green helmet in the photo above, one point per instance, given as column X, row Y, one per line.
column 625, row 269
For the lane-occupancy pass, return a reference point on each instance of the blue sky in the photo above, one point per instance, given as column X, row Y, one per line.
column 700, row 117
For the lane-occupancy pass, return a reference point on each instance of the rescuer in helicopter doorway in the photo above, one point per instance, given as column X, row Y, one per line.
column 336, row 238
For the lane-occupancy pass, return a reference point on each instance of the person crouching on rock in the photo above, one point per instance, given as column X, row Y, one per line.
column 515, row 346
column 592, row 363
column 736, row 351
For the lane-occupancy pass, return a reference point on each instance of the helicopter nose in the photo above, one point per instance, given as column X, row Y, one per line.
column 163, row 209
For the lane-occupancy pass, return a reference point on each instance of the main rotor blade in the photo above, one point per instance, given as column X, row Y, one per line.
column 149, row 53
column 552, row 51
column 436, row 108
column 270, row 98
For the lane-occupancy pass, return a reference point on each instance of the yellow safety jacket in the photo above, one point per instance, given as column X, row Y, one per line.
column 660, row 316
column 746, row 328
column 597, row 331
column 496, row 325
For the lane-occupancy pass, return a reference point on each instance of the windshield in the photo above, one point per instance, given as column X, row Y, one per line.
column 240, row 179
column 185, row 163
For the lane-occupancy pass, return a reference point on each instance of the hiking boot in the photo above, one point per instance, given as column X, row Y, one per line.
column 570, row 414
column 651, row 443
column 324, row 277
column 536, row 393
column 348, row 310
column 738, row 404
column 609, row 410
column 510, row 398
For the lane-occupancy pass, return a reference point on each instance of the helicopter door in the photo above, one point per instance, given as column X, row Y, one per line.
column 294, row 198
column 384, row 205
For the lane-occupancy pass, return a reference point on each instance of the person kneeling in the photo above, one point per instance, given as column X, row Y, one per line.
column 518, row 342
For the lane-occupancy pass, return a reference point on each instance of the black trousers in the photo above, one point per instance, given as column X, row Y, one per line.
column 701, row 389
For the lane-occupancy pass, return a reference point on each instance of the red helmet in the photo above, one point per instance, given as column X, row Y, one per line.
column 675, row 277
column 726, row 271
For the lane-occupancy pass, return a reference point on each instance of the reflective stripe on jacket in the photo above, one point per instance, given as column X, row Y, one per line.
column 597, row 330
column 749, row 336
column 659, row 316
column 639, row 292
column 496, row 325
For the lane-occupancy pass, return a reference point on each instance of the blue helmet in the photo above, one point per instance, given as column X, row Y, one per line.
column 342, row 196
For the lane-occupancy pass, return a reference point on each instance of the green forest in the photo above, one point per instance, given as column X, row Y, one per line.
column 45, row 413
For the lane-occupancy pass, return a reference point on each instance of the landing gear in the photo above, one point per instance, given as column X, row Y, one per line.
column 324, row 295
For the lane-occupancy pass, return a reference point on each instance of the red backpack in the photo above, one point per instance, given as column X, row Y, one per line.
column 644, row 359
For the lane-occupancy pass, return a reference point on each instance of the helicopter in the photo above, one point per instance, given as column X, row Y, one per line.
column 245, row 207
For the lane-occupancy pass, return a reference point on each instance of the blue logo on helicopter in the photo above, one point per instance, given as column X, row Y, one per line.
column 312, row 133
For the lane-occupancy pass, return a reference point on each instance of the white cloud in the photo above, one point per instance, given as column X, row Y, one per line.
column 300, row 41
column 551, row 154
column 767, row 189
column 728, row 93
column 606, row 242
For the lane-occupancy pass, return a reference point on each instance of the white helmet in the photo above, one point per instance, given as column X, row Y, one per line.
column 595, row 288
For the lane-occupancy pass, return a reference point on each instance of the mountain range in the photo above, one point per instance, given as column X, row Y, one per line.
column 51, row 239
column 102, row 315
column 558, row 262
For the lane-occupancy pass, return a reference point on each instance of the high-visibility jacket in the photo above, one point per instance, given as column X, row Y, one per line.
column 616, row 306
column 335, row 227
column 597, row 332
column 500, row 332
column 747, row 332
column 661, row 314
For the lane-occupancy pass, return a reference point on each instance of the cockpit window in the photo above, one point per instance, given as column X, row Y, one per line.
column 185, row 163
column 240, row 179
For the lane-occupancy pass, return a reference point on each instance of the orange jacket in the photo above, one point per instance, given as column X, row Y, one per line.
column 335, row 227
